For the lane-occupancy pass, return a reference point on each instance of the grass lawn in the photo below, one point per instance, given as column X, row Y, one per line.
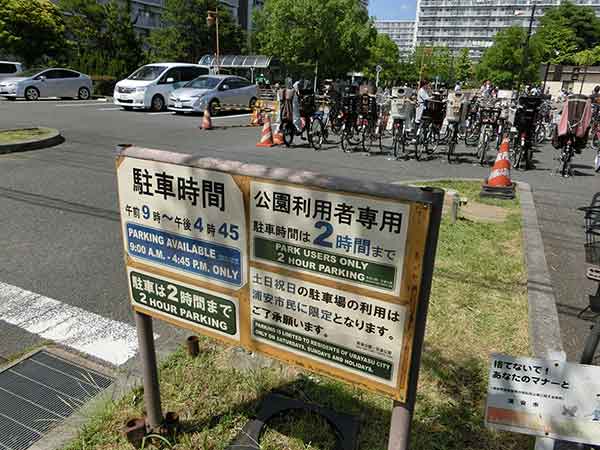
column 12, row 136
column 478, row 306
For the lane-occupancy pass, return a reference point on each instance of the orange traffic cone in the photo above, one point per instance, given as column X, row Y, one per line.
column 278, row 135
column 206, row 120
column 256, row 119
column 266, row 136
column 499, row 184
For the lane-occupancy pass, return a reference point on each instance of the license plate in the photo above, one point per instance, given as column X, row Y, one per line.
column 177, row 104
column 124, row 97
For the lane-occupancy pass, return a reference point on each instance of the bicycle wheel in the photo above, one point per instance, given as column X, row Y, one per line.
column 540, row 133
column 288, row 133
column 317, row 133
column 514, row 156
column 452, row 144
column 483, row 146
column 472, row 135
column 398, row 141
column 345, row 139
column 595, row 141
column 591, row 344
column 419, row 142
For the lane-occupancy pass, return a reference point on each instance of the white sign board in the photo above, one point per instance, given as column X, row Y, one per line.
column 554, row 399
column 349, row 331
column 346, row 238
column 184, row 220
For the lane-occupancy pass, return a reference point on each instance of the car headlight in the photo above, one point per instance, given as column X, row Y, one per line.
column 198, row 96
column 140, row 89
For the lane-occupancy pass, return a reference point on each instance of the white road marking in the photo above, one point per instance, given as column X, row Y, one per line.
column 231, row 117
column 70, row 105
column 109, row 340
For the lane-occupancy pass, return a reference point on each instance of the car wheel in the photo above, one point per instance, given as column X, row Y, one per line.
column 252, row 103
column 32, row 93
column 83, row 93
column 158, row 103
column 128, row 108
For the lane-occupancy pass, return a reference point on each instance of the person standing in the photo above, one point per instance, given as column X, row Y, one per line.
column 422, row 96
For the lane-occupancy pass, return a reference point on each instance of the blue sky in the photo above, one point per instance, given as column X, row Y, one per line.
column 392, row 9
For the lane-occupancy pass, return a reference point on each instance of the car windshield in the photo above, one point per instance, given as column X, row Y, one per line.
column 203, row 83
column 28, row 73
column 147, row 73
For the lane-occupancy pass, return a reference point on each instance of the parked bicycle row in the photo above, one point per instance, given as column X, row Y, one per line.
column 405, row 123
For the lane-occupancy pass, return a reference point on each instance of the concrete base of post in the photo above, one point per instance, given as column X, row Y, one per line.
column 399, row 427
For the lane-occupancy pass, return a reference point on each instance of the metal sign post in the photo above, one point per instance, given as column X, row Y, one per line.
column 326, row 273
column 378, row 70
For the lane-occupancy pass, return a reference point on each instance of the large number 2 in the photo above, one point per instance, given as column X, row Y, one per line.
column 321, row 239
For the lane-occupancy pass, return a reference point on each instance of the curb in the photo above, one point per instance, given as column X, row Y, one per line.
column 54, row 138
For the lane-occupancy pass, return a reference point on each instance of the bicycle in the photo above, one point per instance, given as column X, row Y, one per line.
column 453, row 115
column 592, row 256
column 306, row 101
column 523, row 118
column 427, row 136
column 402, row 112
column 350, row 130
column 576, row 136
column 488, row 117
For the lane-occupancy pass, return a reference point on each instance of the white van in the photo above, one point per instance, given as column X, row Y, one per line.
column 149, row 86
column 8, row 69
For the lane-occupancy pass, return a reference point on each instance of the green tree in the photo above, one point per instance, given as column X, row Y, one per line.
column 503, row 61
column 463, row 66
column 185, row 35
column 383, row 52
column 334, row 35
column 581, row 20
column 558, row 44
column 31, row 30
column 102, row 38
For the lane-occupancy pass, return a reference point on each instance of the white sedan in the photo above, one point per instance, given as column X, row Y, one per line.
column 213, row 92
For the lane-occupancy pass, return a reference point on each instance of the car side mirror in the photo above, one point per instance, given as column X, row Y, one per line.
column 225, row 87
column 170, row 80
column 42, row 78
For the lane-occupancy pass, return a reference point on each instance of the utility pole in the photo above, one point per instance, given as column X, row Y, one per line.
column 526, row 50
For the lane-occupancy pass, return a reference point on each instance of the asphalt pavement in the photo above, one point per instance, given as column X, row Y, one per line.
column 59, row 224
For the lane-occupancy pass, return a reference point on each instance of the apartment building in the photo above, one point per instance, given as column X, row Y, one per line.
column 473, row 24
column 402, row 32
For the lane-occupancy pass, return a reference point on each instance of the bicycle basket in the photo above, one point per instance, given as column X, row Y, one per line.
column 350, row 104
column 307, row 105
column 434, row 111
column 402, row 108
column 489, row 116
column 368, row 105
column 453, row 108
column 592, row 236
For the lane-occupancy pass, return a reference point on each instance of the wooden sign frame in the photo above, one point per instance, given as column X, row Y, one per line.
column 419, row 252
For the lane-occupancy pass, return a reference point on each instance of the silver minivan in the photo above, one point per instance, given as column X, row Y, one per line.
column 35, row 83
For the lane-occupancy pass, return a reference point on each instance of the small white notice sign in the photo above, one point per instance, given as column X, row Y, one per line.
column 554, row 399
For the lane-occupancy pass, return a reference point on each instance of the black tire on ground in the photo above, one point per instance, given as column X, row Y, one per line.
column 158, row 103
column 288, row 133
column 32, row 93
column 83, row 93
column 317, row 134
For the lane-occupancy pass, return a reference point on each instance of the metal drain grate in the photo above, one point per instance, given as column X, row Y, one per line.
column 38, row 393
